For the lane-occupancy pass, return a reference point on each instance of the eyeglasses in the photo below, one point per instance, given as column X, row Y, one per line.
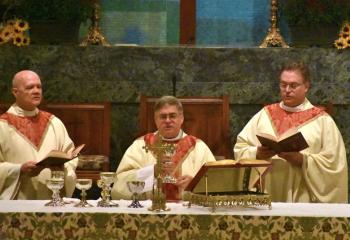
column 291, row 86
column 171, row 116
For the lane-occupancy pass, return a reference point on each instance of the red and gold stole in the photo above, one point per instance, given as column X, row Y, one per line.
column 283, row 120
column 183, row 147
column 31, row 128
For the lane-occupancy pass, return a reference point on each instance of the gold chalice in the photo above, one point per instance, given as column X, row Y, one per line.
column 135, row 187
column 105, row 182
column 83, row 184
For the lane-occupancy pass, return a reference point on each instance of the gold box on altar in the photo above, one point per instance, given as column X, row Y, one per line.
column 221, row 184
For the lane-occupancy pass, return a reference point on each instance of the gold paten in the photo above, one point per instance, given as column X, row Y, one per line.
column 274, row 38
column 159, row 148
column 95, row 36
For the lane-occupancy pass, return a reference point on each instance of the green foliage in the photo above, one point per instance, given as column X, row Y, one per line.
column 315, row 12
column 46, row 10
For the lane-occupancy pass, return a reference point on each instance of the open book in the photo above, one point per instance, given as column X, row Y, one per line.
column 219, row 168
column 58, row 158
column 293, row 142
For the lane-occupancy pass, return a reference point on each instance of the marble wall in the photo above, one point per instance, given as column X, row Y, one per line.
column 121, row 74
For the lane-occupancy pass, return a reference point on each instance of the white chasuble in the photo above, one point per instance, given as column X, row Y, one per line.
column 323, row 176
column 30, row 135
column 137, row 164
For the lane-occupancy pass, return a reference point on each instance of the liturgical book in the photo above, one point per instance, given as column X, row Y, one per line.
column 58, row 158
column 288, row 143
column 222, row 174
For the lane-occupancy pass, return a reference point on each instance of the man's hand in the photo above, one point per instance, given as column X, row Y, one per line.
column 183, row 181
column 264, row 153
column 30, row 168
column 294, row 158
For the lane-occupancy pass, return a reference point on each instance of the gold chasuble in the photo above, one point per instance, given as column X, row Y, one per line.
column 28, row 136
column 323, row 176
column 182, row 148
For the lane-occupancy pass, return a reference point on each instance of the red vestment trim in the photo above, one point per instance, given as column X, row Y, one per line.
column 183, row 147
column 32, row 128
column 283, row 120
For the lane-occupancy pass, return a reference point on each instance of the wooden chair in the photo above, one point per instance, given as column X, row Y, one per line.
column 85, row 123
column 205, row 117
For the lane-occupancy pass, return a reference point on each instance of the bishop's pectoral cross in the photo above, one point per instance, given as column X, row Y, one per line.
column 160, row 149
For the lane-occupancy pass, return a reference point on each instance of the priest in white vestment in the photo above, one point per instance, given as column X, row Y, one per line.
column 190, row 154
column 317, row 174
column 27, row 135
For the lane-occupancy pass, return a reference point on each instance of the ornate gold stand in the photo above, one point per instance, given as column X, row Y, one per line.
column 274, row 38
column 159, row 148
column 95, row 36
column 238, row 199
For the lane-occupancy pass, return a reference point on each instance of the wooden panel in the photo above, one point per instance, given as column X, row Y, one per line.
column 187, row 21
column 85, row 123
column 205, row 118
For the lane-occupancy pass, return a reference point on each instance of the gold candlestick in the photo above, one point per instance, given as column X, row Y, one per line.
column 95, row 36
column 159, row 148
column 274, row 38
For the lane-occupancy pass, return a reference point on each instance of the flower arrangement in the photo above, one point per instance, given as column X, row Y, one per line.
column 14, row 31
column 344, row 37
column 315, row 12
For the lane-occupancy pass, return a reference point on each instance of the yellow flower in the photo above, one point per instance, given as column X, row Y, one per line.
column 21, row 25
column 346, row 28
column 14, row 31
column 11, row 22
column 347, row 42
column 344, row 35
column 18, row 40
column 339, row 44
column 6, row 35
column 7, row 32
column 26, row 41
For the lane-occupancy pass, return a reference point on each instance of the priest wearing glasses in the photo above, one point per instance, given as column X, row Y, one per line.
column 318, row 173
column 190, row 154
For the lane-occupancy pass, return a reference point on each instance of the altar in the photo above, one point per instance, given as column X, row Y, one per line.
column 26, row 219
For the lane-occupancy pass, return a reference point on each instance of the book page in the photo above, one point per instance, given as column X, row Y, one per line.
column 56, row 158
column 57, row 154
column 268, row 136
column 287, row 134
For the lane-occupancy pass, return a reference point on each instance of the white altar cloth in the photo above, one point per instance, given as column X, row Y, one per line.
column 278, row 209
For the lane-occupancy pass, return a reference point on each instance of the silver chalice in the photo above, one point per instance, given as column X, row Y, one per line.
column 135, row 187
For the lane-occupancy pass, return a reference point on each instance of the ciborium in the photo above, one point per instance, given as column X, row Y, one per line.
column 135, row 187
column 83, row 184
column 105, row 182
